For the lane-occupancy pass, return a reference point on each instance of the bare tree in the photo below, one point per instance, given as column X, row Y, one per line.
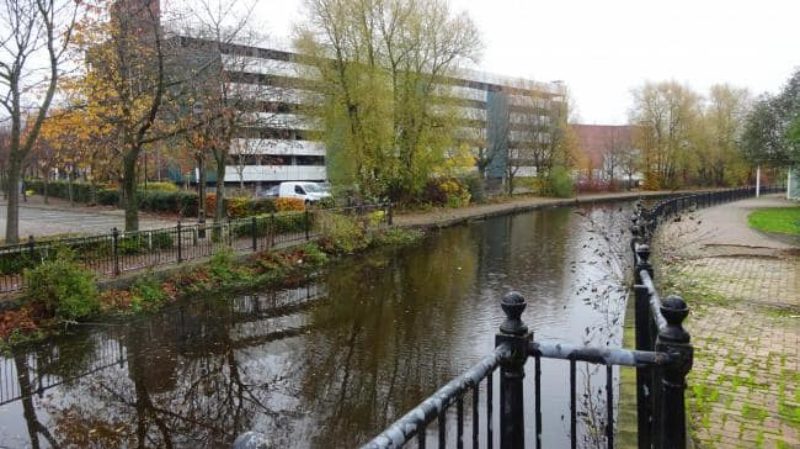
column 31, row 31
column 230, row 95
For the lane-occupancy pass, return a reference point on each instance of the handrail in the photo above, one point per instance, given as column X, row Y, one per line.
column 407, row 427
column 602, row 356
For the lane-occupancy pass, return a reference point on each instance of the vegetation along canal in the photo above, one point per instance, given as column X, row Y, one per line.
column 331, row 362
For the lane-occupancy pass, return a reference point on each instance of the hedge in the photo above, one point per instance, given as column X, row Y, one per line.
column 156, row 198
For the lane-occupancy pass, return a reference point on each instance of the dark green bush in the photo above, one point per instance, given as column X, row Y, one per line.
column 62, row 288
column 559, row 183
column 81, row 192
column 260, row 206
column 107, row 197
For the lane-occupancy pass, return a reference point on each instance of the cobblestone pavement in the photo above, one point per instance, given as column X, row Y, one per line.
column 40, row 219
column 744, row 289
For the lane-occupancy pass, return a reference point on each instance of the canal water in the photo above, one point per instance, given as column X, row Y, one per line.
column 328, row 363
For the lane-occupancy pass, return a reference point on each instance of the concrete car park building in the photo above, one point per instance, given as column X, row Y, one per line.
column 286, row 146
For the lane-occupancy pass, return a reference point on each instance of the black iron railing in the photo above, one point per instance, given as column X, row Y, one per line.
column 662, row 360
column 115, row 253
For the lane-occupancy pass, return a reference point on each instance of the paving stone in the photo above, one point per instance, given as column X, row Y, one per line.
column 744, row 290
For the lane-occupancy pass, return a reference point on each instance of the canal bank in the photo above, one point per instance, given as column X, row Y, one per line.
column 744, row 290
column 336, row 358
column 444, row 217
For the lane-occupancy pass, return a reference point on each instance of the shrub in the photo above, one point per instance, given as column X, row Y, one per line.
column 560, row 183
column 314, row 255
column 108, row 197
column 159, row 186
column 237, row 207
column 62, row 288
column 147, row 294
column 476, row 187
column 221, row 265
column 182, row 202
column 397, row 237
column 259, row 206
column 341, row 233
column 446, row 192
column 289, row 204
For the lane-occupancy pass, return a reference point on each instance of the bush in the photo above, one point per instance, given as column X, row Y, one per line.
column 147, row 294
column 446, row 192
column 159, row 186
column 258, row 206
column 341, row 233
column 397, row 237
column 559, row 183
column 62, row 288
column 182, row 202
column 289, row 204
column 81, row 191
column 476, row 187
column 108, row 197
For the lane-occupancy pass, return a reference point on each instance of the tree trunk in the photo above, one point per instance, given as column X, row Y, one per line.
column 129, row 191
column 12, row 211
column 219, row 213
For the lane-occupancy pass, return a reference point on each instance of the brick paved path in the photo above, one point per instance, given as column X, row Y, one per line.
column 744, row 288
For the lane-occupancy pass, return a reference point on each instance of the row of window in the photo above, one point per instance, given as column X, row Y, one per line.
column 264, row 159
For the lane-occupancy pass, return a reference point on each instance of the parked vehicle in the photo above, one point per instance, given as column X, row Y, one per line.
column 309, row 192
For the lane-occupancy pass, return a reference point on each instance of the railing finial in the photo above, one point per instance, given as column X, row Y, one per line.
column 513, row 304
column 675, row 310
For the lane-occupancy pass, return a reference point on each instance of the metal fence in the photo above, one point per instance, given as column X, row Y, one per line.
column 115, row 253
column 662, row 360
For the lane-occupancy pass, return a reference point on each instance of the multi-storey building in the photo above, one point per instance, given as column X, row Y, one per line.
column 503, row 115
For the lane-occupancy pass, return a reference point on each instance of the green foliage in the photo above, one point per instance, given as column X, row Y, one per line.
column 341, row 233
column 476, row 187
column 396, row 237
column 147, row 294
column 108, row 197
column 559, row 183
column 313, row 254
column 181, row 202
column 384, row 125
column 222, row 265
column 81, row 192
column 159, row 186
column 62, row 288
column 782, row 220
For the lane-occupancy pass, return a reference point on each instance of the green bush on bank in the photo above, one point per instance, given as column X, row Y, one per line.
column 61, row 288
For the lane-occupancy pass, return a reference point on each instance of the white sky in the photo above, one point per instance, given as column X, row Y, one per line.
column 603, row 48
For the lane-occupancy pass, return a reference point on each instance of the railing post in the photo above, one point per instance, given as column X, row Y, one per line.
column 675, row 341
column 253, row 231
column 178, row 229
column 307, row 224
column 514, row 335
column 390, row 214
column 115, row 249
column 32, row 247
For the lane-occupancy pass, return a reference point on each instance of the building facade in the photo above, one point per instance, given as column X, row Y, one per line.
column 502, row 116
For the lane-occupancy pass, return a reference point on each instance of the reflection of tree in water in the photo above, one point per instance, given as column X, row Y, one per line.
column 184, row 387
column 388, row 340
column 604, row 262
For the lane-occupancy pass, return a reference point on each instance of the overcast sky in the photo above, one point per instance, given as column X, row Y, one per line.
column 602, row 49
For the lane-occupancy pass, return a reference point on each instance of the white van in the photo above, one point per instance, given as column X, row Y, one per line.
column 310, row 192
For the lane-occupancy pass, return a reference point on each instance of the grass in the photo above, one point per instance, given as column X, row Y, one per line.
column 781, row 220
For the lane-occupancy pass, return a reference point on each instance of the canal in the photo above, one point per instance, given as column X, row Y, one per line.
column 329, row 362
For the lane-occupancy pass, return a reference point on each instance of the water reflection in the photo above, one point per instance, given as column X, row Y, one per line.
column 328, row 363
